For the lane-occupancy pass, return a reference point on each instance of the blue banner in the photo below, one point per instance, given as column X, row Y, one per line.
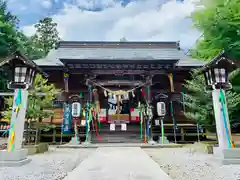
column 67, row 119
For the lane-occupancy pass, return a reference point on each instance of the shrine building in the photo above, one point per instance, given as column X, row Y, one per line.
column 109, row 67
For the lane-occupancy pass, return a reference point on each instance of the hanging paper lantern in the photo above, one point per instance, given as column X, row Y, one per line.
column 161, row 109
column 105, row 93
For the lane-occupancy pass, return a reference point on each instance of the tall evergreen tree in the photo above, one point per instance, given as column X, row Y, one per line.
column 8, row 36
column 46, row 35
column 220, row 23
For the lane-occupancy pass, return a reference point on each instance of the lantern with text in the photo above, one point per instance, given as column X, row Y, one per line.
column 216, row 72
column 161, row 109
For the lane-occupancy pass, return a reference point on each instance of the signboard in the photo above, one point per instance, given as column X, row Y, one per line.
column 112, row 127
column 67, row 119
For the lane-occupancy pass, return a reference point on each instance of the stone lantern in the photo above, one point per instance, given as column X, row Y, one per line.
column 216, row 72
column 216, row 76
column 23, row 73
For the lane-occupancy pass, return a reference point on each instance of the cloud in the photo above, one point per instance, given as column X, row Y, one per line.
column 94, row 4
column 139, row 20
column 29, row 11
column 46, row 4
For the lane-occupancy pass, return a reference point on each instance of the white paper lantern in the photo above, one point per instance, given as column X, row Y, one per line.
column 161, row 109
column 105, row 93
column 76, row 109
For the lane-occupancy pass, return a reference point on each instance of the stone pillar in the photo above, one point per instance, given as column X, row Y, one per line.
column 226, row 152
column 16, row 156
column 220, row 127
column 20, row 121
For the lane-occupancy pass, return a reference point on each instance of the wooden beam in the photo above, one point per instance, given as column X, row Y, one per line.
column 120, row 82
column 118, row 72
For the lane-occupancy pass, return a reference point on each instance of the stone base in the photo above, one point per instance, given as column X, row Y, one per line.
column 166, row 141
column 15, row 158
column 39, row 148
column 218, row 152
column 74, row 141
column 231, row 156
column 228, row 156
column 151, row 141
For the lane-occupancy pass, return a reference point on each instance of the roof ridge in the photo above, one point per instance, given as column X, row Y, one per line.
column 118, row 44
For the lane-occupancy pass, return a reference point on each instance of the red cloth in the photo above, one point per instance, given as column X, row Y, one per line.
column 143, row 92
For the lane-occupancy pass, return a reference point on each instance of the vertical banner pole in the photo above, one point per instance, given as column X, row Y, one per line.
column 162, row 125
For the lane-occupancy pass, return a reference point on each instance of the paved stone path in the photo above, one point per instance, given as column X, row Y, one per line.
column 118, row 163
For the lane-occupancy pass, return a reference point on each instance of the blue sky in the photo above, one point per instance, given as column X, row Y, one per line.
column 138, row 20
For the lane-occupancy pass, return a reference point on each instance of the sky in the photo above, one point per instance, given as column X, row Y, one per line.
column 99, row 20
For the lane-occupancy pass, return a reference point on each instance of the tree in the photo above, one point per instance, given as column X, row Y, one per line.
column 46, row 35
column 8, row 36
column 220, row 23
column 37, row 103
column 29, row 47
column 199, row 106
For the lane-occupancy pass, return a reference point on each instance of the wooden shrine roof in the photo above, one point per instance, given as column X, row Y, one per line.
column 104, row 51
column 21, row 57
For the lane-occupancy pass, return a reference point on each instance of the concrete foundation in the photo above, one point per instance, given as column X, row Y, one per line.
column 74, row 141
column 227, row 156
column 231, row 156
column 166, row 141
column 15, row 158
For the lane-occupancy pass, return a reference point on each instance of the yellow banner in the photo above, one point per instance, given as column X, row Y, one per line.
column 170, row 76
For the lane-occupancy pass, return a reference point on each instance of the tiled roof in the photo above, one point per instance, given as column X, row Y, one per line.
column 19, row 56
column 83, row 51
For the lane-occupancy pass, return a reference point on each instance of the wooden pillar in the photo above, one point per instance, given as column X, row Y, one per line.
column 171, row 82
column 90, row 97
column 182, row 134
column 118, row 105
column 54, row 136
column 65, row 77
column 149, row 109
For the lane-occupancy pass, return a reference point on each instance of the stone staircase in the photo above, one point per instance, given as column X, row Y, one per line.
column 132, row 135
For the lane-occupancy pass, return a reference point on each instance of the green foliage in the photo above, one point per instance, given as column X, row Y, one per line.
column 8, row 37
column 219, row 21
column 29, row 47
column 37, row 103
column 46, row 35
column 199, row 106
column 34, row 47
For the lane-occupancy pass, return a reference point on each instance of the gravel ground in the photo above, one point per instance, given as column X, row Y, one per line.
column 52, row 165
column 186, row 164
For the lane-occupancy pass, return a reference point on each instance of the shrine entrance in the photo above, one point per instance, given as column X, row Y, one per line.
column 119, row 91
column 120, row 84
column 120, row 120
